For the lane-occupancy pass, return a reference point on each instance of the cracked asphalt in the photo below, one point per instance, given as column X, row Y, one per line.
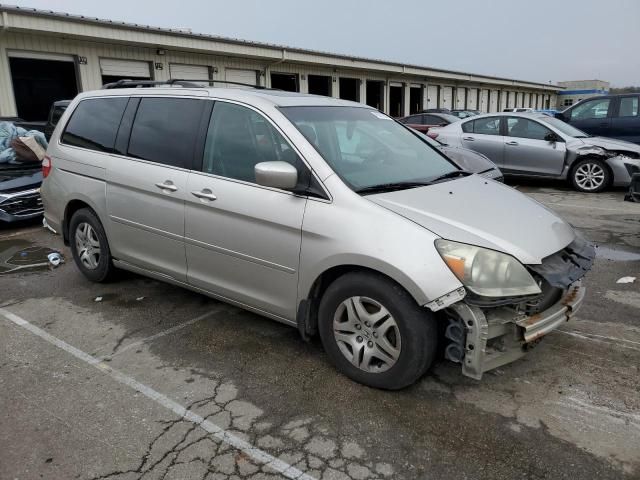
column 259, row 403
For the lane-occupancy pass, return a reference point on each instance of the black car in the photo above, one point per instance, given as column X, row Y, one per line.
column 20, row 191
column 615, row 116
column 57, row 109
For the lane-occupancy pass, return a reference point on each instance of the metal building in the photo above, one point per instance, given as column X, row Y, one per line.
column 577, row 90
column 47, row 56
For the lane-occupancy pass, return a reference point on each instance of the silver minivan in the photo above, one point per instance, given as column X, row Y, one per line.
column 324, row 214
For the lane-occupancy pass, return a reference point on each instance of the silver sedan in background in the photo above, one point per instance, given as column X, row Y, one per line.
column 536, row 145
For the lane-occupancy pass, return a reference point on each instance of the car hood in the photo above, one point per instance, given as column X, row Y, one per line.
column 478, row 211
column 468, row 159
column 609, row 144
column 15, row 177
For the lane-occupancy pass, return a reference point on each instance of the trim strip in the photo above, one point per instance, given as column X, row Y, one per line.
column 146, row 228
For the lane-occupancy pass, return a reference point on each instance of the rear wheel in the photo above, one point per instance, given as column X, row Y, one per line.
column 89, row 246
column 374, row 332
column 590, row 175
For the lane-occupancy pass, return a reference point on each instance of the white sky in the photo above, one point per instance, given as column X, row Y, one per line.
column 536, row 40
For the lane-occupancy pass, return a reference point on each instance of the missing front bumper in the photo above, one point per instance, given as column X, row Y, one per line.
column 496, row 337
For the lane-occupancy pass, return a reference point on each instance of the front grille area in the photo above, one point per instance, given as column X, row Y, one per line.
column 568, row 265
column 22, row 205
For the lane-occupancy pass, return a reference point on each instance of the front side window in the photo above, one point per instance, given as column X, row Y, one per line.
column 165, row 130
column 94, row 124
column 366, row 148
column 238, row 138
column 628, row 107
column 525, row 128
column 487, row 126
column 592, row 109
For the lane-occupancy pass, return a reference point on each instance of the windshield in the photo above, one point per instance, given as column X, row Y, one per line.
column 366, row 148
column 564, row 127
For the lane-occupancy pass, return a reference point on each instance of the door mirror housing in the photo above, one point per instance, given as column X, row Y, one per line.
column 276, row 175
column 552, row 137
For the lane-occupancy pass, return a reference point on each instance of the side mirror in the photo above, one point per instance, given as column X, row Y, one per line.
column 552, row 137
column 276, row 175
column 560, row 116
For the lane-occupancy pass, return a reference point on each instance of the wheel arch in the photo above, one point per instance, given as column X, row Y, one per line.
column 591, row 156
column 307, row 312
column 72, row 207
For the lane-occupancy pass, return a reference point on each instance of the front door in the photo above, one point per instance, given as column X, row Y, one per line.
column 625, row 124
column 526, row 151
column 592, row 116
column 242, row 239
column 146, row 189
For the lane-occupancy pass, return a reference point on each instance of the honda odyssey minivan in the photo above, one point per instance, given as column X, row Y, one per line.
column 324, row 214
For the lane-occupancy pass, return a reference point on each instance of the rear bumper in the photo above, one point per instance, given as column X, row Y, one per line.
column 496, row 337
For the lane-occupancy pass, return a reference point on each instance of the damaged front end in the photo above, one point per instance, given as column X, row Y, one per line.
column 485, row 333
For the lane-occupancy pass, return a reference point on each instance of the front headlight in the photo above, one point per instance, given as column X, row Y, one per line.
column 486, row 272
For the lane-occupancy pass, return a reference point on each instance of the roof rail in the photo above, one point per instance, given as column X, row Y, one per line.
column 127, row 83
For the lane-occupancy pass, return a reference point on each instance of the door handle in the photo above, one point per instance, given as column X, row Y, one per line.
column 512, row 143
column 205, row 193
column 468, row 139
column 167, row 185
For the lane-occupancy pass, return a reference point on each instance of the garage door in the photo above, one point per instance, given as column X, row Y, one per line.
column 472, row 99
column 493, row 101
column 110, row 67
column 461, row 96
column 446, row 99
column 527, row 100
column 432, row 96
column 484, row 101
column 248, row 77
column 189, row 72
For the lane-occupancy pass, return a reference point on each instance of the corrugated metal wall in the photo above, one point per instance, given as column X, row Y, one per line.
column 438, row 93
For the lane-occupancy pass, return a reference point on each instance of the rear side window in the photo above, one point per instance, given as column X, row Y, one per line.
column 94, row 124
column 487, row 126
column 165, row 130
column 628, row 107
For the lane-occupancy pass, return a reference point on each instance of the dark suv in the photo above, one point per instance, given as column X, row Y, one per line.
column 615, row 116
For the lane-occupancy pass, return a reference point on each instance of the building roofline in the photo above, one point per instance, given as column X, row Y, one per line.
column 188, row 34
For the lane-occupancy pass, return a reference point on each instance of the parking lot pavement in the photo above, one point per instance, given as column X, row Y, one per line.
column 157, row 382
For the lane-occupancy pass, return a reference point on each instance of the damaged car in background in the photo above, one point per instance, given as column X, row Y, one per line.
column 540, row 146
column 21, row 153
column 323, row 214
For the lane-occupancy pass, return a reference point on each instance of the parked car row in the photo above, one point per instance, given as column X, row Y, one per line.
column 323, row 214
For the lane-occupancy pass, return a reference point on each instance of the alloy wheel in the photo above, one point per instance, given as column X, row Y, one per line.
column 367, row 334
column 590, row 176
column 87, row 246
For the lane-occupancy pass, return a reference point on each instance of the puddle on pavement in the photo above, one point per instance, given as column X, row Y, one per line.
column 20, row 255
column 616, row 255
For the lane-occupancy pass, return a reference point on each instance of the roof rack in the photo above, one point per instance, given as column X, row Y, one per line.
column 127, row 83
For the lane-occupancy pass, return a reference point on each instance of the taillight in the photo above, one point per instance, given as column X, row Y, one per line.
column 431, row 134
column 46, row 166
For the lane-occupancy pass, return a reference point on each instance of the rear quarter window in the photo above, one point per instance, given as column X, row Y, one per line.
column 94, row 124
column 467, row 127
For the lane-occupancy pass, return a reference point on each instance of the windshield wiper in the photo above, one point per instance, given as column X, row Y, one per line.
column 455, row 173
column 390, row 187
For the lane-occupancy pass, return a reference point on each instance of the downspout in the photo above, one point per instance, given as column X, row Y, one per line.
column 267, row 70
column 5, row 22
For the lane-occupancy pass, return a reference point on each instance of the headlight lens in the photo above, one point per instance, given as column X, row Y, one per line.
column 486, row 272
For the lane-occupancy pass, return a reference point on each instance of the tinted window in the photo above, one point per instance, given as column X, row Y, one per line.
column 467, row 127
column 598, row 108
column 524, row 128
column 56, row 114
column 238, row 138
column 628, row 107
column 433, row 120
column 94, row 123
column 165, row 130
column 414, row 119
column 487, row 126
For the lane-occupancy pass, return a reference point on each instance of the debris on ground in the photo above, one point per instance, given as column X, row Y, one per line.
column 97, row 299
column 139, row 299
column 626, row 280
column 55, row 259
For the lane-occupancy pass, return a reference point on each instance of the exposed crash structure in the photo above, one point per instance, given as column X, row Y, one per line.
column 484, row 333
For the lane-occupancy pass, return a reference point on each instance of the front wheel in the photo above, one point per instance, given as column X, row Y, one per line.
column 590, row 176
column 374, row 332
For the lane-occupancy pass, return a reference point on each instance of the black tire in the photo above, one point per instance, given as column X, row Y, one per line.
column 577, row 175
column 105, row 268
column 417, row 328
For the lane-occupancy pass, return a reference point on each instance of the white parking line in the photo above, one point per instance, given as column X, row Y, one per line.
column 621, row 342
column 258, row 455
column 168, row 331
